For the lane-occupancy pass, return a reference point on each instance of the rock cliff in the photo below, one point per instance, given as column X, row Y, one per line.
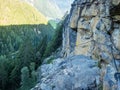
column 92, row 29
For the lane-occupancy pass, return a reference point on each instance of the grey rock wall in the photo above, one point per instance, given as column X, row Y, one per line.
column 73, row 73
column 92, row 30
column 96, row 27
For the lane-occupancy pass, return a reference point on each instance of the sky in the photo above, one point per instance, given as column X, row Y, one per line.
column 64, row 5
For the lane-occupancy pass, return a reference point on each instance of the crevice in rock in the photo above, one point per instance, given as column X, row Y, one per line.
column 115, row 10
column 117, row 21
column 75, row 29
column 80, row 15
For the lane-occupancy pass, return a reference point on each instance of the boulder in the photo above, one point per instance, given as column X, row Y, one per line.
column 72, row 73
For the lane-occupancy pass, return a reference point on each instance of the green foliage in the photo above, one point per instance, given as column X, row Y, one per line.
column 33, row 78
column 53, row 23
column 40, row 50
column 55, row 42
column 50, row 60
column 22, row 49
column 25, row 80
column 26, row 53
column 32, row 66
column 3, row 71
column 22, row 45
column 19, row 46
column 28, row 80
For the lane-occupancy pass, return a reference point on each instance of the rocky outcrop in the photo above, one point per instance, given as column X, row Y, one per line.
column 92, row 29
column 73, row 73
column 96, row 27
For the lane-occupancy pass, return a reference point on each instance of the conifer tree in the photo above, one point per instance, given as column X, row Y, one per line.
column 25, row 79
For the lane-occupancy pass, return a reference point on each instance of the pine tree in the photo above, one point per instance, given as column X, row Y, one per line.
column 3, row 72
column 40, row 50
column 55, row 42
column 25, row 79
column 26, row 53
column 33, row 74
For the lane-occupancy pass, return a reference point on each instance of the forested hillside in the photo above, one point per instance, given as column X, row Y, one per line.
column 20, row 45
column 25, row 36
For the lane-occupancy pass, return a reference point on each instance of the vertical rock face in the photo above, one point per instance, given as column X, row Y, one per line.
column 93, row 29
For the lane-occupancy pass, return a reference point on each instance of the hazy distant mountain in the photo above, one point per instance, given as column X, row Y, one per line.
column 48, row 8
column 51, row 8
column 64, row 5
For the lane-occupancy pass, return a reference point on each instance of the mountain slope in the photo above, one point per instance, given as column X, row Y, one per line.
column 51, row 8
column 19, row 12
column 63, row 5
column 48, row 8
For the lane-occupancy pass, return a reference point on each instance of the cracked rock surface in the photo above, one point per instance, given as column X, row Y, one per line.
column 96, row 27
column 92, row 29
column 73, row 73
